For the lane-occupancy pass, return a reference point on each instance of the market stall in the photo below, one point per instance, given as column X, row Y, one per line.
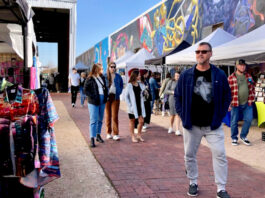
column 187, row 56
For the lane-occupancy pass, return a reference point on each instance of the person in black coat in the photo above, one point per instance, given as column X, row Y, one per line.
column 97, row 93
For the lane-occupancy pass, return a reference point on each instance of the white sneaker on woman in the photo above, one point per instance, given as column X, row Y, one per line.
column 116, row 137
column 178, row 133
column 170, row 130
column 109, row 136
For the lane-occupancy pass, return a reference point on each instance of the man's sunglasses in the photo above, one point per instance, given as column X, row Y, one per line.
column 202, row 51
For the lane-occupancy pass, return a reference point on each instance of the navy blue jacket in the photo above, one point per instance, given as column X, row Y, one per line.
column 221, row 96
column 118, row 84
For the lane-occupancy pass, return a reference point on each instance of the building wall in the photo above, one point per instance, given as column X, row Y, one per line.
column 164, row 27
column 160, row 30
column 102, row 52
column 238, row 16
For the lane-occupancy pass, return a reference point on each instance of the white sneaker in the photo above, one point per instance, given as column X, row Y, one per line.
column 116, row 137
column 178, row 133
column 145, row 126
column 143, row 130
column 109, row 136
column 163, row 113
column 170, row 130
column 73, row 104
column 135, row 131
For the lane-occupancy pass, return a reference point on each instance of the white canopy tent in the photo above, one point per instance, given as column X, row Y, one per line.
column 122, row 60
column 187, row 56
column 250, row 47
column 136, row 60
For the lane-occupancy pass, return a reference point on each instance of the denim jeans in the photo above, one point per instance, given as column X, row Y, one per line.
column 96, row 114
column 82, row 95
column 247, row 117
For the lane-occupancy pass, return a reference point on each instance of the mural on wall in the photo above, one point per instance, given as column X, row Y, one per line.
column 160, row 30
column 238, row 16
column 87, row 58
column 124, row 40
column 101, row 53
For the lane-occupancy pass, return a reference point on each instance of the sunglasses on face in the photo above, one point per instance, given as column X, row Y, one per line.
column 113, row 67
column 202, row 51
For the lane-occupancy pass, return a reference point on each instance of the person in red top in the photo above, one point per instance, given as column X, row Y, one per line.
column 243, row 95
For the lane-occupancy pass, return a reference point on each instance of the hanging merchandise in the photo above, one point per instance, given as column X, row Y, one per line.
column 27, row 140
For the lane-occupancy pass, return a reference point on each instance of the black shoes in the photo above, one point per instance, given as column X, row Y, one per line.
column 222, row 194
column 193, row 190
column 245, row 141
column 234, row 142
column 92, row 143
column 99, row 139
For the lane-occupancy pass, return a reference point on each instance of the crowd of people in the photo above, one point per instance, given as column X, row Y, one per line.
column 199, row 97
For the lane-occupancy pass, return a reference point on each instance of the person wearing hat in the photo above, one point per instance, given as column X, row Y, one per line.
column 243, row 95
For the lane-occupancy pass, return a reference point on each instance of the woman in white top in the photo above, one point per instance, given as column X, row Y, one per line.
column 135, row 104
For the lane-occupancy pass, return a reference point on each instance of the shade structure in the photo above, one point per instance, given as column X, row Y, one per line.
column 122, row 60
column 81, row 66
column 137, row 60
column 161, row 60
column 250, row 47
column 187, row 56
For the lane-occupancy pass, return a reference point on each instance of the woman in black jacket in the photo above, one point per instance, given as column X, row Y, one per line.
column 96, row 90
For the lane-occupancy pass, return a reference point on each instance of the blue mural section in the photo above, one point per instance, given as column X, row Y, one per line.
column 101, row 53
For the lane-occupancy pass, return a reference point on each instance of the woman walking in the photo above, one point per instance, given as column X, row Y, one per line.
column 115, row 84
column 97, row 93
column 82, row 83
column 135, row 104
column 170, row 88
column 162, row 95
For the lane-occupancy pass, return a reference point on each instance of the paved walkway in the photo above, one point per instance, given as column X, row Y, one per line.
column 82, row 176
column 155, row 168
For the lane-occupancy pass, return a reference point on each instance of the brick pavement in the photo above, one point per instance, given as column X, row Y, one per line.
column 155, row 168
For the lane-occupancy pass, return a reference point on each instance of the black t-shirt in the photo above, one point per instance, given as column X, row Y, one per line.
column 202, row 101
column 137, row 93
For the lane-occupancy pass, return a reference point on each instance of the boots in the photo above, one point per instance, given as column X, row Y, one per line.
column 99, row 139
column 92, row 143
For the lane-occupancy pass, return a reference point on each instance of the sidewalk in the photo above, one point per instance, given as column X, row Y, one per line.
column 82, row 176
column 155, row 168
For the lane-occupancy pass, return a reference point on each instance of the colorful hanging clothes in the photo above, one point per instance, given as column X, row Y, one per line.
column 27, row 139
column 18, row 128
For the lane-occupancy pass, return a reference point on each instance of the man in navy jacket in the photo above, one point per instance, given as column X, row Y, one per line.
column 202, row 99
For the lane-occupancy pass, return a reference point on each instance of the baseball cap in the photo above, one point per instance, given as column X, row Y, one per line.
column 241, row 62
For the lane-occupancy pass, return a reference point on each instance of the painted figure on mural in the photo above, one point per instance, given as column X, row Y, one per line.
column 243, row 18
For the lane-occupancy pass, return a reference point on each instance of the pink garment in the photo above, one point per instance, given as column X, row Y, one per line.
column 33, row 78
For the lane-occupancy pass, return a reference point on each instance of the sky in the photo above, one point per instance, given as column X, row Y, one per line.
column 96, row 19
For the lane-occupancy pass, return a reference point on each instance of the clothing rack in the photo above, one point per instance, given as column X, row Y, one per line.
column 27, row 181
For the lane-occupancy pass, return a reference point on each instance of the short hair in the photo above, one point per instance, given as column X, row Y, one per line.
column 206, row 43
column 74, row 68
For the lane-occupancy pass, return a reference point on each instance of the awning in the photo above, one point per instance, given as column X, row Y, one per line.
column 15, row 11
column 250, row 47
column 187, row 56
column 161, row 60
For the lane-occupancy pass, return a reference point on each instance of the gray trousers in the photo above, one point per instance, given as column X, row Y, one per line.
column 215, row 139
